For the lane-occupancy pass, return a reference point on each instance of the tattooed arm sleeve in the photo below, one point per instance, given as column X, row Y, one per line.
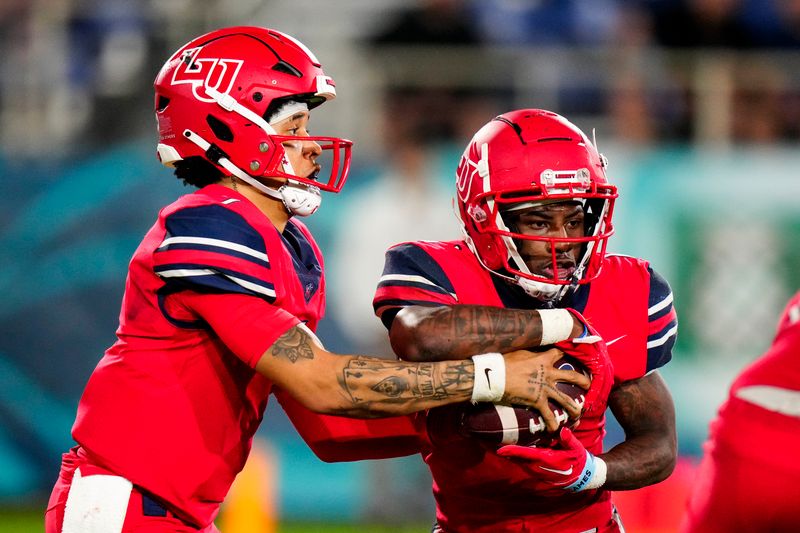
column 368, row 387
column 361, row 386
column 420, row 333
column 278, row 346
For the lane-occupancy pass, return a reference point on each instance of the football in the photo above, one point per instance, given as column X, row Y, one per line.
column 502, row 424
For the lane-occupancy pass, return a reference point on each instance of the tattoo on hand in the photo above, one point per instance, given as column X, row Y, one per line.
column 536, row 385
column 293, row 345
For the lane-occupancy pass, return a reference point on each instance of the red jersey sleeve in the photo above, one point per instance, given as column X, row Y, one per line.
column 336, row 438
column 248, row 326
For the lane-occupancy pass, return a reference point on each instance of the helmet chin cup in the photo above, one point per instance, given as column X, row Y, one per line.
column 547, row 292
column 300, row 200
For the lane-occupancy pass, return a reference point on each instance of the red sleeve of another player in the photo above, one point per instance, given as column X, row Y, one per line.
column 247, row 325
column 336, row 438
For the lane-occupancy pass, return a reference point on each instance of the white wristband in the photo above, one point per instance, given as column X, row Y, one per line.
column 599, row 477
column 490, row 378
column 556, row 325
column 593, row 475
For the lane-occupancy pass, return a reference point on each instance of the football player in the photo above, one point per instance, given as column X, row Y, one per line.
column 223, row 295
column 536, row 210
column 746, row 481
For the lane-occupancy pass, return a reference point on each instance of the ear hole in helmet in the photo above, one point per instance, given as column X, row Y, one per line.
column 162, row 104
column 592, row 210
column 220, row 129
column 286, row 68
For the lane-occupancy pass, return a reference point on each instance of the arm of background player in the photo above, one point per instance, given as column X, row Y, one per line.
column 644, row 409
column 421, row 333
column 336, row 438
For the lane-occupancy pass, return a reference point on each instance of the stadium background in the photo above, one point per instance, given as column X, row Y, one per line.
column 701, row 134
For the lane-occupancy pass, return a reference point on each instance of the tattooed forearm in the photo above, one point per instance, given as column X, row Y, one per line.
column 293, row 345
column 380, row 386
column 464, row 330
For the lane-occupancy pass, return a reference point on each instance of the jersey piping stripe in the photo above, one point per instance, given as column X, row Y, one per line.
column 410, row 260
column 660, row 305
column 406, row 277
column 253, row 287
column 664, row 338
column 186, row 272
column 382, row 305
column 408, row 280
column 205, row 241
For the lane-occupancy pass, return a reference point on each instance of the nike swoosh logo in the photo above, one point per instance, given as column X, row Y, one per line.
column 566, row 472
column 487, row 371
column 609, row 343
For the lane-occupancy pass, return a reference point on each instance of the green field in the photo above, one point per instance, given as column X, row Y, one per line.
column 31, row 521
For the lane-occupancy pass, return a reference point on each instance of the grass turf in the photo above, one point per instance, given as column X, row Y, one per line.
column 32, row 521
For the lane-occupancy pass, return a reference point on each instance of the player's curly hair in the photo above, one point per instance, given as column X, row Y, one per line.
column 197, row 171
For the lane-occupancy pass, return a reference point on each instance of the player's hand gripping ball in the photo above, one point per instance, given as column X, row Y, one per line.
column 502, row 424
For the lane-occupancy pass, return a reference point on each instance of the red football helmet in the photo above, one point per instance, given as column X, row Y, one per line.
column 215, row 95
column 524, row 158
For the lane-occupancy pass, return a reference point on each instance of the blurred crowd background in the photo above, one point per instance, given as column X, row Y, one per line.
column 696, row 103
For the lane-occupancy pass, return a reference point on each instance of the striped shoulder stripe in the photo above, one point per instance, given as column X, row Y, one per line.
column 383, row 305
column 214, row 221
column 412, row 260
column 184, row 272
column 200, row 243
column 662, row 327
column 666, row 302
column 217, row 279
column 663, row 338
column 411, row 280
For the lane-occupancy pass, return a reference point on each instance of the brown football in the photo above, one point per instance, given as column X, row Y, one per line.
column 502, row 424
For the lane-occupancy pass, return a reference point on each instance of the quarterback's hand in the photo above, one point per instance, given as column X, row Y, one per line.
column 532, row 381
column 590, row 349
column 570, row 467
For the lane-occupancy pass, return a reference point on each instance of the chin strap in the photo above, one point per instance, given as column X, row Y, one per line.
column 300, row 200
column 547, row 292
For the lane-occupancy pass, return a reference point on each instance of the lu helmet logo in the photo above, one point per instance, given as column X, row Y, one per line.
column 206, row 73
